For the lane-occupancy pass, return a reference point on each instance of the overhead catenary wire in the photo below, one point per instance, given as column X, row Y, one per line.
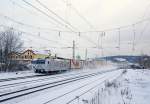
column 146, row 25
column 32, row 13
column 44, row 13
column 116, row 28
column 26, row 25
column 142, row 32
column 33, row 35
column 18, row 22
column 66, row 22
column 62, row 19
column 141, row 21
column 20, row 6
column 80, row 15
column 39, row 27
column 111, row 29
column 79, row 33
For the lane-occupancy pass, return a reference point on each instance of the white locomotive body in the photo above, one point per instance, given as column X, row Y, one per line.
column 59, row 64
column 50, row 65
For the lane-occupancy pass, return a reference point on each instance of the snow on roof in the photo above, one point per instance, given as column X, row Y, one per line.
column 41, row 52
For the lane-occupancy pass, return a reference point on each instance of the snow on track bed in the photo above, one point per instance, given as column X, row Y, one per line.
column 34, row 80
column 8, row 75
column 6, row 87
column 64, row 98
column 18, row 78
column 61, row 83
column 26, row 91
column 132, row 87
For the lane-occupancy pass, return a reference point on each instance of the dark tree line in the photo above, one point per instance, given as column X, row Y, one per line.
column 144, row 61
column 10, row 41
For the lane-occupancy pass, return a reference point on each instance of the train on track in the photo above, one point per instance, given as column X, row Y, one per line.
column 58, row 65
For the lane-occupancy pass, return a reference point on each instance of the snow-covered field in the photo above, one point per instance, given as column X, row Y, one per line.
column 77, row 87
column 64, row 93
column 117, row 87
column 5, row 75
column 133, row 87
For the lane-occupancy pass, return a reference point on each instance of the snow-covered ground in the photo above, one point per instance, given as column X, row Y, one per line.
column 64, row 93
column 5, row 75
column 77, row 86
column 133, row 87
column 118, row 87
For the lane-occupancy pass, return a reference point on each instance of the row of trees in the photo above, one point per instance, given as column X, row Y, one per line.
column 144, row 61
column 10, row 41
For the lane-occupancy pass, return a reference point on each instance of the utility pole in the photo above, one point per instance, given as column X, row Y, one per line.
column 85, row 53
column 133, row 45
column 119, row 38
column 100, row 38
column 73, row 49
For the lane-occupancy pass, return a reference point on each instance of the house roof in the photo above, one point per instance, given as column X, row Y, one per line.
column 41, row 52
column 28, row 50
column 16, row 53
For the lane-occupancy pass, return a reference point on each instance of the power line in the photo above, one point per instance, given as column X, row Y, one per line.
column 79, row 33
column 27, row 25
column 55, row 14
column 111, row 29
column 20, row 6
column 142, row 31
column 144, row 28
column 124, row 27
column 44, row 13
column 29, row 11
column 33, row 35
column 121, row 27
column 80, row 15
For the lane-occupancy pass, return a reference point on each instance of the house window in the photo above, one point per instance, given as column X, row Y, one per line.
column 31, row 56
column 25, row 56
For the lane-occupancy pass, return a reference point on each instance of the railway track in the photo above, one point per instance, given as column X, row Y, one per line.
column 18, row 78
column 85, row 92
column 3, row 86
column 19, row 93
column 81, row 87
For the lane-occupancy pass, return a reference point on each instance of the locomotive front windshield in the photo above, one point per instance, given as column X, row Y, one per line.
column 38, row 62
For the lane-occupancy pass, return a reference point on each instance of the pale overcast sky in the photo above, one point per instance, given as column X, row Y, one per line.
column 101, row 14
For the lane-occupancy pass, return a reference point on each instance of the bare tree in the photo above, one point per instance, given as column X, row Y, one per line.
column 10, row 41
column 144, row 60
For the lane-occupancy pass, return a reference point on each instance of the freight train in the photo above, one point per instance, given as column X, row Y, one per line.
column 55, row 65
